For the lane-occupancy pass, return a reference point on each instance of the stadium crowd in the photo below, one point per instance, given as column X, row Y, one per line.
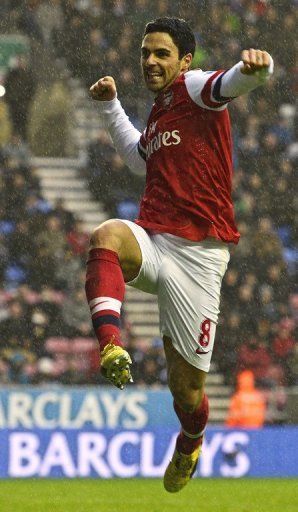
column 45, row 329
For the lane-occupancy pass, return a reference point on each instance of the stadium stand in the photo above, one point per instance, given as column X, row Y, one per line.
column 54, row 163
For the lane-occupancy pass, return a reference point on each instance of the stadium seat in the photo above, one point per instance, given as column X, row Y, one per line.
column 58, row 345
column 82, row 345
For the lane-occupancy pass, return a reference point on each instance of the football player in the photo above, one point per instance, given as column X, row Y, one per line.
column 178, row 248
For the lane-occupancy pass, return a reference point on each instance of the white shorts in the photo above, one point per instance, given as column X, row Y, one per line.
column 186, row 276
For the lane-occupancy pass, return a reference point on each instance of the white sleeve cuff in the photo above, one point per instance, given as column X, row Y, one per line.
column 108, row 107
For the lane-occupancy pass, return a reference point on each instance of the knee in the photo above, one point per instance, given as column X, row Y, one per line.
column 108, row 236
column 190, row 401
column 186, row 395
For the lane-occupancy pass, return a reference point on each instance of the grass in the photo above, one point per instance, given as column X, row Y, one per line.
column 141, row 495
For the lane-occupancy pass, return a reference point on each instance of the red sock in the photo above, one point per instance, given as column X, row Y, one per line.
column 193, row 426
column 105, row 293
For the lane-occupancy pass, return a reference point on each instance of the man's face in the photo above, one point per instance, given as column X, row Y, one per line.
column 160, row 61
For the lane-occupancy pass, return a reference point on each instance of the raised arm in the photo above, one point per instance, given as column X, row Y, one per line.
column 255, row 67
column 124, row 135
column 214, row 89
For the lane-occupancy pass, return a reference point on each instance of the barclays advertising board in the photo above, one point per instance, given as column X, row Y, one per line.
column 92, row 432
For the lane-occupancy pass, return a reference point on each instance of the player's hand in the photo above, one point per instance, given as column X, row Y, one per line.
column 254, row 60
column 104, row 89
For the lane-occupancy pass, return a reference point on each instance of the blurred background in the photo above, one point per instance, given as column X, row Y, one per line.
column 60, row 177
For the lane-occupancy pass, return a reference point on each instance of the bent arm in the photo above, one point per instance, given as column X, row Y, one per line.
column 214, row 89
column 234, row 82
column 124, row 135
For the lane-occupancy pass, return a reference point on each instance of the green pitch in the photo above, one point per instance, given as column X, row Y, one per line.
column 262, row 495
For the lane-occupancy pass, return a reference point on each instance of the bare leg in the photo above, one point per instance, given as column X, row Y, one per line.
column 186, row 382
column 191, row 406
column 116, row 236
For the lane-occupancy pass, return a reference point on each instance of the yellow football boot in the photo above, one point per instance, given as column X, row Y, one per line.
column 115, row 361
column 180, row 470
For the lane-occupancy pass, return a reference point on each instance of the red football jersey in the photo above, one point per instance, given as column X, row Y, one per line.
column 188, row 151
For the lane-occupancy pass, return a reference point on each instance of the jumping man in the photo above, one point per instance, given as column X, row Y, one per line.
column 177, row 249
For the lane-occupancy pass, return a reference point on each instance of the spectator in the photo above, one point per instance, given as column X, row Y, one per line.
column 41, row 269
column 17, row 150
column 65, row 217
column 50, row 108
column 76, row 315
column 78, row 239
column 52, row 238
column 5, row 126
column 20, row 243
column 247, row 406
column 253, row 355
column 284, row 348
column 20, row 87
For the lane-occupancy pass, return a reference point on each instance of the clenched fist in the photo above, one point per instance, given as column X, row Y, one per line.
column 104, row 89
column 254, row 60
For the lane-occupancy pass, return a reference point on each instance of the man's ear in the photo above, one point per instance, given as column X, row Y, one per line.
column 186, row 61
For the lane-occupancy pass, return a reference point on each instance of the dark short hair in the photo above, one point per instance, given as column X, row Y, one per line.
column 178, row 29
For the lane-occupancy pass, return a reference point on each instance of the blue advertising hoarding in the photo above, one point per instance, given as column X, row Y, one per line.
column 92, row 432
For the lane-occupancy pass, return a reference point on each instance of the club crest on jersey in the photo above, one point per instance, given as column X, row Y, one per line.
column 168, row 99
